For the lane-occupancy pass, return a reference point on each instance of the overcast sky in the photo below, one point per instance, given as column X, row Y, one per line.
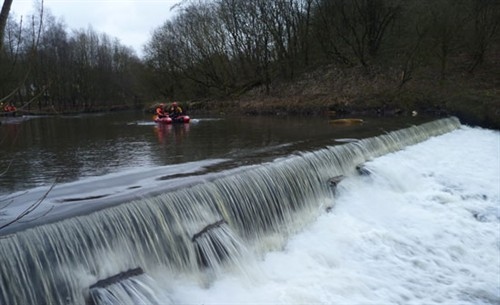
column 131, row 21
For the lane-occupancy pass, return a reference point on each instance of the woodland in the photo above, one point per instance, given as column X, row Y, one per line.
column 310, row 57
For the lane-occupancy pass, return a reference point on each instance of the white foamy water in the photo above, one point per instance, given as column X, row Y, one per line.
column 423, row 228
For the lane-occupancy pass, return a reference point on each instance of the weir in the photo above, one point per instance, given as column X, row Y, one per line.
column 197, row 230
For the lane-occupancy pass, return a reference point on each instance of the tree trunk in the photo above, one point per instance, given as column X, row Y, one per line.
column 4, row 14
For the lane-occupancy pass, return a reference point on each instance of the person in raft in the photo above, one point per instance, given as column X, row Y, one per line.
column 160, row 111
column 8, row 108
column 175, row 110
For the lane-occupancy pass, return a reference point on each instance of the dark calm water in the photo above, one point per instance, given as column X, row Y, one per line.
column 37, row 151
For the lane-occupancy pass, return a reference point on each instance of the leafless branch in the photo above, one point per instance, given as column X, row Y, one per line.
column 7, row 169
column 31, row 208
column 44, row 214
column 11, row 199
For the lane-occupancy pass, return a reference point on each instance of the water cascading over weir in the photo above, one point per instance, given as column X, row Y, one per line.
column 105, row 257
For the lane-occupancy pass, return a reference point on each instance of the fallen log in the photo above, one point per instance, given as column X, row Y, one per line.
column 346, row 121
column 334, row 181
column 117, row 278
column 362, row 170
column 207, row 228
column 210, row 249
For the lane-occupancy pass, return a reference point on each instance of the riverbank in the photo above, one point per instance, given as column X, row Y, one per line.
column 473, row 98
column 350, row 92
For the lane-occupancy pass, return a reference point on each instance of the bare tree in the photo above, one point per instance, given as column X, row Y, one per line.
column 485, row 19
column 4, row 15
column 219, row 47
column 249, row 41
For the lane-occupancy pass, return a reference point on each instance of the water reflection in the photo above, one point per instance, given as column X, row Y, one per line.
column 171, row 133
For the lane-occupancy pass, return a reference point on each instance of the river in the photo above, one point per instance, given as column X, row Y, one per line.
column 37, row 151
column 251, row 214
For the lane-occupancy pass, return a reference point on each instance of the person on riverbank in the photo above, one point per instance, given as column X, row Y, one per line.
column 175, row 110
